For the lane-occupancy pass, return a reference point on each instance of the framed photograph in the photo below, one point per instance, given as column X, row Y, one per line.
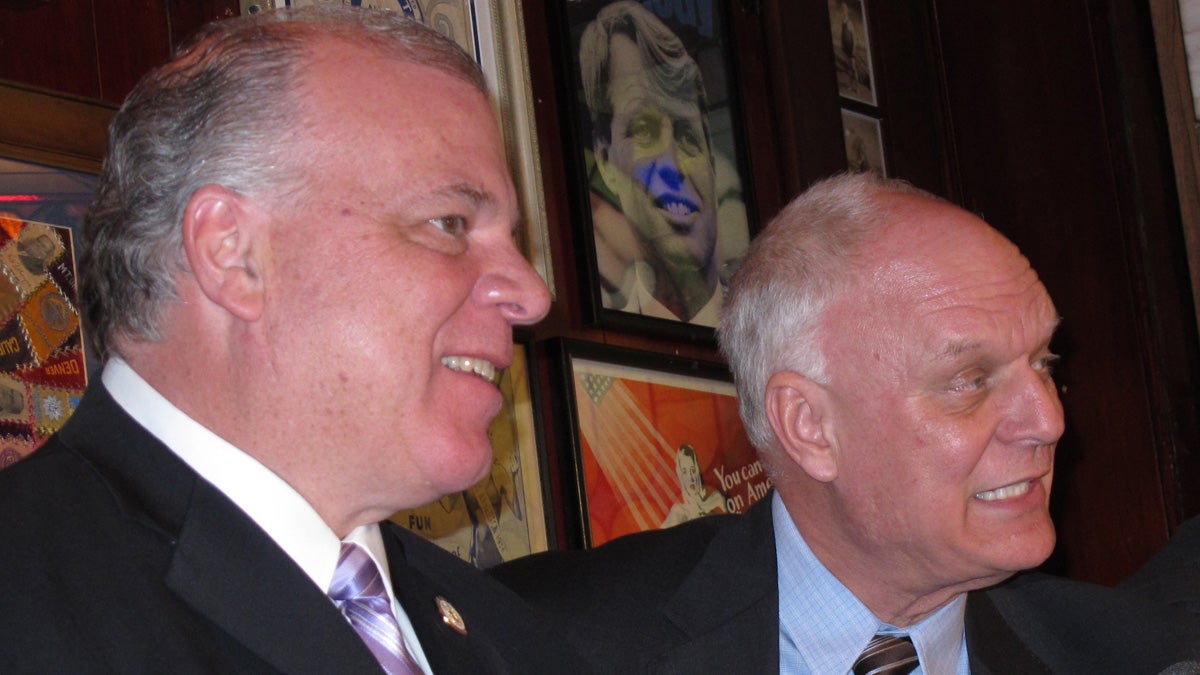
column 494, row 33
column 864, row 143
column 655, row 148
column 656, row 441
column 852, row 50
column 503, row 516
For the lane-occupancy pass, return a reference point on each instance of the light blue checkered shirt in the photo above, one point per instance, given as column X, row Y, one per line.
column 823, row 627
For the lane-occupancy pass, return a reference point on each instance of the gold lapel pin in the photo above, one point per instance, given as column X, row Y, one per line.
column 450, row 616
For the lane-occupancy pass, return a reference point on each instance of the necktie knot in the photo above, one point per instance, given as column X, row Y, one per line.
column 356, row 577
column 358, row 591
column 887, row 655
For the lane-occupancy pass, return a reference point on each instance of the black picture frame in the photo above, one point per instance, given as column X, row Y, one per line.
column 624, row 237
column 625, row 417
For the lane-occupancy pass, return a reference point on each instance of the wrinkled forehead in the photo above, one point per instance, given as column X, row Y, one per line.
column 938, row 267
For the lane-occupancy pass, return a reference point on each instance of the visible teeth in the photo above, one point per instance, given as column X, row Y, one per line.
column 481, row 367
column 678, row 209
column 1006, row 492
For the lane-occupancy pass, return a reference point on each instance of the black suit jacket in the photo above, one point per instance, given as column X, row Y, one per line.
column 702, row 597
column 1173, row 575
column 116, row 557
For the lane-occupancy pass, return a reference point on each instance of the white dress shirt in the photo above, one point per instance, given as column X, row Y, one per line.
column 265, row 497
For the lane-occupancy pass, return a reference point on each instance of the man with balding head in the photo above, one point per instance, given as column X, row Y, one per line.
column 893, row 363
column 215, row 503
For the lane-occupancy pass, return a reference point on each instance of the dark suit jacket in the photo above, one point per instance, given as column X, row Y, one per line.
column 116, row 557
column 1173, row 575
column 702, row 597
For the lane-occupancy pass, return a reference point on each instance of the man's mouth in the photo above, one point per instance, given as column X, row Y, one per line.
column 1006, row 492
column 467, row 364
column 680, row 212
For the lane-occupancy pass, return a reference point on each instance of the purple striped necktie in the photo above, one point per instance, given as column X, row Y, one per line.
column 359, row 593
column 887, row 655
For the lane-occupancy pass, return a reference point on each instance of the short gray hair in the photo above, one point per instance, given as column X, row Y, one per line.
column 212, row 115
column 793, row 271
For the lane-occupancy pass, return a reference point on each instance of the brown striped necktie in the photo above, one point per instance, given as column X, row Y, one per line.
column 887, row 655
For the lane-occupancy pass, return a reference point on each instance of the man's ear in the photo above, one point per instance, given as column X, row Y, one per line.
column 220, row 240
column 613, row 177
column 798, row 410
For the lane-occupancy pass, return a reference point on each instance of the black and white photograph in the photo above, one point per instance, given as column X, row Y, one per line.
column 852, row 50
column 864, row 143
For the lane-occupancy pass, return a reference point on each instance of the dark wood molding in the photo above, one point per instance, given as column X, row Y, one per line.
column 52, row 128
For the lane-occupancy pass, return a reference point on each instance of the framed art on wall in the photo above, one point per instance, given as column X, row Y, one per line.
column 504, row 515
column 852, row 50
column 654, row 144
column 864, row 143
column 655, row 440
column 494, row 33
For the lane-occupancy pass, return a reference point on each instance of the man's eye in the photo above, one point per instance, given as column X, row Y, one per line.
column 969, row 382
column 644, row 130
column 450, row 224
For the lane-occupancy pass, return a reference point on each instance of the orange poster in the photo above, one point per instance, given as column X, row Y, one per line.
column 657, row 449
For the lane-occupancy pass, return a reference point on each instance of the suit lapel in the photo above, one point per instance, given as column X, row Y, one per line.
column 732, row 620
column 992, row 646
column 221, row 563
column 418, row 572
column 226, row 568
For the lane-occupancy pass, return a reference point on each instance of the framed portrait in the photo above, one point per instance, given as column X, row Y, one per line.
column 656, row 441
column 864, row 143
column 852, row 50
column 494, row 33
column 654, row 145
column 503, row 516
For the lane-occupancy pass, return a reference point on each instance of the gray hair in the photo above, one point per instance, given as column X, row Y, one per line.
column 212, row 115
column 794, row 270
column 675, row 72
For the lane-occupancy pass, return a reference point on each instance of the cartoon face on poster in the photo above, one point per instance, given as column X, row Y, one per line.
column 42, row 368
column 659, row 449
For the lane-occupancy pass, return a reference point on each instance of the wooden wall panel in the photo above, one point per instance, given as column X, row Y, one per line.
column 50, row 45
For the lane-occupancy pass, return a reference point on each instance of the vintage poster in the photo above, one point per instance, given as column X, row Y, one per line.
column 42, row 368
column 657, row 449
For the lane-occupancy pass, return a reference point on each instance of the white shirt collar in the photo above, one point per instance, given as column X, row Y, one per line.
column 265, row 497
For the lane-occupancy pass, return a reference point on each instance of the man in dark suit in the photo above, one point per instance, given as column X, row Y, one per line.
column 892, row 358
column 1173, row 575
column 301, row 273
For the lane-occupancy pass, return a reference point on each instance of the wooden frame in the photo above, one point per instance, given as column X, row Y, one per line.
column 505, row 515
column 630, row 415
column 55, row 129
column 660, row 199
column 494, row 33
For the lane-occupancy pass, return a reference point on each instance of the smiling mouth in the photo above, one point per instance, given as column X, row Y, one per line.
column 679, row 211
column 466, row 364
column 1006, row 492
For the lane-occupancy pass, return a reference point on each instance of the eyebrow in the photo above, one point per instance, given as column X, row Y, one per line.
column 471, row 193
column 957, row 348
